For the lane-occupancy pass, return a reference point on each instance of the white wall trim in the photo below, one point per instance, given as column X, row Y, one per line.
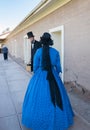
column 61, row 29
column 25, row 36
column 26, row 49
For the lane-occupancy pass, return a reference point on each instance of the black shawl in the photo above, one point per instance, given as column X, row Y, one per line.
column 54, row 89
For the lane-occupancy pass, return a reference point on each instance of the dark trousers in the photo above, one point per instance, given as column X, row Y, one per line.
column 31, row 65
column 5, row 56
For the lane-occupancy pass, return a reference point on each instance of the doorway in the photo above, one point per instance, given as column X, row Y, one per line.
column 27, row 50
column 15, row 48
column 58, row 37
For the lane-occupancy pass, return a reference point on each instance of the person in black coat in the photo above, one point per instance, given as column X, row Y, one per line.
column 5, row 52
column 34, row 46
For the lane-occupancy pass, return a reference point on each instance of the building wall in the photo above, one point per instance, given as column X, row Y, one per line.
column 75, row 16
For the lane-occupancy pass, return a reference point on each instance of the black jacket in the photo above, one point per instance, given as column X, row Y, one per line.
column 34, row 46
column 4, row 50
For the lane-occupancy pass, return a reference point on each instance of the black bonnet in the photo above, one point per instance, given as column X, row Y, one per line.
column 46, row 39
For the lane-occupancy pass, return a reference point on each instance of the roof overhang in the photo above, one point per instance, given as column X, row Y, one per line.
column 44, row 8
column 4, row 36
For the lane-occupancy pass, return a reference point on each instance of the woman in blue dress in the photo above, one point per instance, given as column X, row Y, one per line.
column 46, row 104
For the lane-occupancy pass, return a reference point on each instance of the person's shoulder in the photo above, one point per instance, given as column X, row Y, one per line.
column 39, row 51
column 37, row 42
column 54, row 50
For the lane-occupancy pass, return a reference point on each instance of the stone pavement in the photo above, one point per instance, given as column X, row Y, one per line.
column 13, row 84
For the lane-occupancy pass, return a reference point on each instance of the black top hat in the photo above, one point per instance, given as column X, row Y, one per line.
column 30, row 34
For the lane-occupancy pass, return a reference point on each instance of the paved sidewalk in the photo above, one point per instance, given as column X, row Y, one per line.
column 13, row 84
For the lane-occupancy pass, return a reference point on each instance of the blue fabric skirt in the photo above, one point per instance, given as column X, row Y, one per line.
column 38, row 112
